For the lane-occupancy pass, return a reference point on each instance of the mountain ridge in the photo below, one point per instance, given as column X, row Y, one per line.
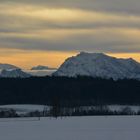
column 7, row 66
column 99, row 65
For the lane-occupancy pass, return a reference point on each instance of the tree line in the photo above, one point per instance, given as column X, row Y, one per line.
column 56, row 111
column 69, row 92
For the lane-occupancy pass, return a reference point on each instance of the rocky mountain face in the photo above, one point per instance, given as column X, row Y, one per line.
column 99, row 65
column 15, row 73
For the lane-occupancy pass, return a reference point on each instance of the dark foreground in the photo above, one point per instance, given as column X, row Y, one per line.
column 81, row 91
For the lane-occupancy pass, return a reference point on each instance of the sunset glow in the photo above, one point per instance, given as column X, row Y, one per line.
column 34, row 32
column 27, row 59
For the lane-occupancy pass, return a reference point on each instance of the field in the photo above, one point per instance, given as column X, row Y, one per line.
column 71, row 128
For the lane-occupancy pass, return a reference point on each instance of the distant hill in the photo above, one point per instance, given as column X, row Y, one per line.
column 15, row 73
column 8, row 66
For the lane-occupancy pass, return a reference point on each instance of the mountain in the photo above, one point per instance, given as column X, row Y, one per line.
column 7, row 66
column 15, row 73
column 99, row 65
column 40, row 67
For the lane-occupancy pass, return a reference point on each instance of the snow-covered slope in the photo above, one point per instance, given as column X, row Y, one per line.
column 99, row 65
column 14, row 74
column 39, row 67
column 7, row 66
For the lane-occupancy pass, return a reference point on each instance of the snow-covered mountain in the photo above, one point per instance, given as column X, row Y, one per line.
column 99, row 65
column 15, row 73
column 40, row 67
column 7, row 66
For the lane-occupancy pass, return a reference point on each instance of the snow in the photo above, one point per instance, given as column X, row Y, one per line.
column 7, row 66
column 99, row 65
column 25, row 73
column 71, row 128
column 14, row 73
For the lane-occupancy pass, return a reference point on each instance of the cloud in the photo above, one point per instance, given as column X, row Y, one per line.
column 63, row 25
column 106, row 40
column 121, row 6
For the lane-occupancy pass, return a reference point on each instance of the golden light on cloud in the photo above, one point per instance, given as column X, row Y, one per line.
column 64, row 14
column 27, row 59
column 61, row 23
column 42, row 28
column 135, row 56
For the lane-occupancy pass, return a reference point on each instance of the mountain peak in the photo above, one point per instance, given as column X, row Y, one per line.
column 99, row 65
column 90, row 54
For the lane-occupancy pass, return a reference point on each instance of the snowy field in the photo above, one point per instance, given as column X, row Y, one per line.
column 71, row 128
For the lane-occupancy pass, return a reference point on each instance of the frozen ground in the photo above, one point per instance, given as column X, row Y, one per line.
column 71, row 128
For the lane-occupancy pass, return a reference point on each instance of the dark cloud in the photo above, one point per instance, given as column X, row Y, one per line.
column 85, row 42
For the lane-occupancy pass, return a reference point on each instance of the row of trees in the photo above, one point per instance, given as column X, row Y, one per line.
column 55, row 111
column 93, row 111
column 8, row 113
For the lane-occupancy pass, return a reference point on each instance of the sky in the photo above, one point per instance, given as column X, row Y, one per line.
column 46, row 32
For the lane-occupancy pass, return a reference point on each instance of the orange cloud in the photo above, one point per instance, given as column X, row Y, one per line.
column 27, row 59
